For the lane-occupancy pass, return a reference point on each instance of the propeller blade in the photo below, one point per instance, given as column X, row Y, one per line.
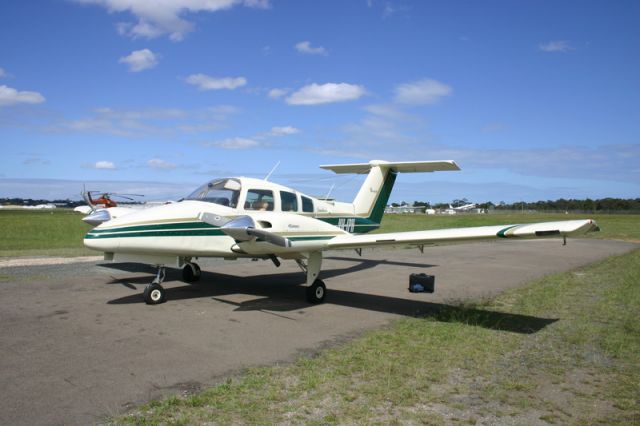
column 269, row 237
column 85, row 197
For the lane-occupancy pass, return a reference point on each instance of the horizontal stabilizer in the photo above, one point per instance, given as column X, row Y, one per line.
column 402, row 167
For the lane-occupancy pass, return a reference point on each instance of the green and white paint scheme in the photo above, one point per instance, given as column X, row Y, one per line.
column 245, row 217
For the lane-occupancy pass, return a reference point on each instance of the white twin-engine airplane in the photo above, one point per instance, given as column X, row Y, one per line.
column 243, row 217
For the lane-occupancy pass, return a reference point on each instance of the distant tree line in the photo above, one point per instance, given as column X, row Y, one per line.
column 34, row 202
column 586, row 205
column 562, row 204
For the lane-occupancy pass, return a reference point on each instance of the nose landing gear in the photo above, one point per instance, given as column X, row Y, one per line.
column 154, row 293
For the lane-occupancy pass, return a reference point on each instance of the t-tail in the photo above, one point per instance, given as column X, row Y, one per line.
column 373, row 196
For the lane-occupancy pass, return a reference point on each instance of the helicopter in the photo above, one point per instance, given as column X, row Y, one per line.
column 104, row 207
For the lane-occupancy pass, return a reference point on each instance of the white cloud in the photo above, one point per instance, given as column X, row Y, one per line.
column 2, row 73
column 426, row 91
column 140, row 60
column 305, row 47
column 282, row 131
column 11, row 96
column 556, row 46
column 389, row 10
column 157, row 163
column 277, row 93
column 315, row 94
column 104, row 165
column 151, row 122
column 205, row 82
column 234, row 143
column 386, row 111
column 157, row 18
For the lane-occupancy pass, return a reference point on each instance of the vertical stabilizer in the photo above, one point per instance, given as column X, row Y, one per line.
column 374, row 193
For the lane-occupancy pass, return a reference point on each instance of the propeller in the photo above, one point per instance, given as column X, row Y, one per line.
column 85, row 197
column 243, row 228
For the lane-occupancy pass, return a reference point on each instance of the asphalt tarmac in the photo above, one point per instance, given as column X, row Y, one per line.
column 78, row 343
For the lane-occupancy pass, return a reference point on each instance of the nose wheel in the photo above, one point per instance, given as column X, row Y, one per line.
column 154, row 293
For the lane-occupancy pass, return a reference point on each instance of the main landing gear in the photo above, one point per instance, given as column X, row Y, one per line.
column 316, row 290
column 191, row 272
column 154, row 293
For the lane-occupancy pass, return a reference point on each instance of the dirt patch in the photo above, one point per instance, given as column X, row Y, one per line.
column 40, row 261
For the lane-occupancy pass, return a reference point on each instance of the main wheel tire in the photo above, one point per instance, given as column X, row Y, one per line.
column 154, row 294
column 198, row 271
column 316, row 292
column 190, row 273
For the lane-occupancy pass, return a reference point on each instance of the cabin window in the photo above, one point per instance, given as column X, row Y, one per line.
column 288, row 201
column 259, row 199
column 222, row 191
column 307, row 204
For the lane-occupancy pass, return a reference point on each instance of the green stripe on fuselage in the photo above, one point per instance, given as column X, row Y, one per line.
column 156, row 227
column 159, row 233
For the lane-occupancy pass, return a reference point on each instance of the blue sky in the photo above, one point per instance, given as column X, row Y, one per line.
column 533, row 99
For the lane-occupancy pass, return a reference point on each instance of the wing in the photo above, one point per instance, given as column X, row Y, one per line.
column 532, row 230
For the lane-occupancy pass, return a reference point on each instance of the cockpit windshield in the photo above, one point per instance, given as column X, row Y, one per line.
column 220, row 191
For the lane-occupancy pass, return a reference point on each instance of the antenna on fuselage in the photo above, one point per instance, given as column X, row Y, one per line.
column 272, row 170
column 326, row 197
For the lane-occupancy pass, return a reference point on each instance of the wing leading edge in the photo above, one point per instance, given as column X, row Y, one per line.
column 566, row 228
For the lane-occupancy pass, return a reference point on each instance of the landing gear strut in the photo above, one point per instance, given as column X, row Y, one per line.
column 154, row 293
column 191, row 272
column 316, row 290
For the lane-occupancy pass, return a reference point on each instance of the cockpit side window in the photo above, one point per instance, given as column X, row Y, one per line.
column 259, row 199
column 307, row 204
column 224, row 192
column 288, row 201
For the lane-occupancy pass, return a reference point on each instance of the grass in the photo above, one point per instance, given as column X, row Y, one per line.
column 564, row 349
column 36, row 233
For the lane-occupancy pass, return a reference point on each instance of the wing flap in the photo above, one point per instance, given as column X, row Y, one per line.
column 531, row 230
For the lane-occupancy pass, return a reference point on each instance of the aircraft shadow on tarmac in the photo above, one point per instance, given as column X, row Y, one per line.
column 284, row 292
